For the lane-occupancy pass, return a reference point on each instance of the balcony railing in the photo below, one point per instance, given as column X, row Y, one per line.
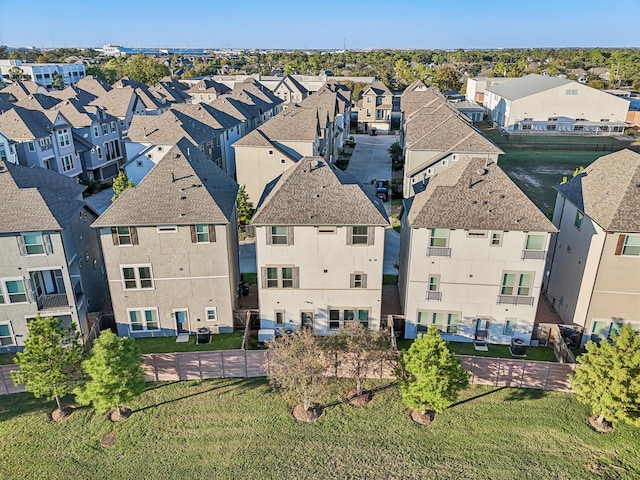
column 54, row 301
column 534, row 254
column 438, row 252
column 515, row 300
column 434, row 296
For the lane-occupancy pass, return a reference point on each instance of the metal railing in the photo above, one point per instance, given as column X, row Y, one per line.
column 57, row 300
column 438, row 252
column 434, row 296
column 515, row 300
column 534, row 254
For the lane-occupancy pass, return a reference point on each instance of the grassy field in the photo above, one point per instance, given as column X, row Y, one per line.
column 542, row 354
column 221, row 341
column 228, row 429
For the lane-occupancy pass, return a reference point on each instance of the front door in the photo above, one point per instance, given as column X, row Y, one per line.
column 306, row 319
column 482, row 328
column 182, row 318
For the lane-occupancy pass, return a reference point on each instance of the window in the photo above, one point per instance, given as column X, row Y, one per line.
column 3, row 153
column 283, row 161
column 599, row 331
column 496, row 239
column 217, row 141
column 280, row 277
column 577, row 222
column 349, row 314
column 137, row 277
column 509, row 326
column 124, row 235
column 334, row 319
column 438, row 237
column 203, row 233
column 210, row 314
column 476, row 234
column 279, row 314
column 34, row 244
column 368, row 99
column 360, row 235
column 105, row 128
column 6, row 335
column 526, row 127
column 269, row 152
column 327, row 230
column 67, row 163
column 535, row 242
column 167, row 229
column 445, row 162
column 445, row 322
column 630, row 245
column 368, row 112
column 553, row 119
column 571, row 92
column 280, row 236
column 96, row 132
column 518, row 284
column 12, row 291
column 363, row 318
column 99, row 152
column 528, row 119
column 359, row 280
column 63, row 137
column 578, row 128
column 113, row 127
column 144, row 320
column 31, row 146
column 434, row 283
column 551, row 127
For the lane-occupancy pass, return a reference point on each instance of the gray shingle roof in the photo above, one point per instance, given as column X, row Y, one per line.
column 313, row 192
column 38, row 101
column 116, row 101
column 608, row 191
column 36, row 199
column 379, row 88
column 184, row 188
column 80, row 96
column 93, row 85
column 23, row 89
column 472, row 194
column 295, row 124
column 168, row 128
column 21, row 124
column 527, row 85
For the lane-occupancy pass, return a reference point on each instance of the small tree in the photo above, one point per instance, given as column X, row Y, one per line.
column 120, row 184
column 363, row 352
column 58, row 81
column 50, row 361
column 429, row 376
column 395, row 151
column 295, row 365
column 115, row 373
column 245, row 208
column 607, row 378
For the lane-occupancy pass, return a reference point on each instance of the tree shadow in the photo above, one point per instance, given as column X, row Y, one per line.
column 18, row 404
column 237, row 383
column 475, row 397
column 157, row 385
column 345, row 400
column 516, row 394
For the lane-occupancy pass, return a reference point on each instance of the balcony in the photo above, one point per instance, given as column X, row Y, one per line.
column 534, row 254
column 438, row 252
column 514, row 300
column 434, row 296
column 52, row 302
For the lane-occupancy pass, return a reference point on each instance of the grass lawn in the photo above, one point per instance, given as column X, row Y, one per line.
column 250, row 278
column 388, row 279
column 543, row 354
column 221, row 341
column 226, row 429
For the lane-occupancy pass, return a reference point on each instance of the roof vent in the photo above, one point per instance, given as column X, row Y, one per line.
column 183, row 197
column 482, row 171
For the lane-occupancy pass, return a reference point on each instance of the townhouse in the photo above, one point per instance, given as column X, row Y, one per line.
column 50, row 260
column 207, row 90
column 594, row 260
column 289, row 90
column 374, row 108
column 319, row 250
column 472, row 254
column 170, row 248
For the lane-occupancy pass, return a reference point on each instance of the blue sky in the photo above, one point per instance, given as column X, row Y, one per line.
column 320, row 24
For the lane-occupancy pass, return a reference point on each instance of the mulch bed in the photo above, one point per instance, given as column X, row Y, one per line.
column 58, row 416
column 604, row 427
column 425, row 419
column 307, row 416
column 108, row 440
column 359, row 401
column 116, row 416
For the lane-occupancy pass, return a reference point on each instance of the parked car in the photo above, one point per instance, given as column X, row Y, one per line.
column 373, row 131
column 382, row 190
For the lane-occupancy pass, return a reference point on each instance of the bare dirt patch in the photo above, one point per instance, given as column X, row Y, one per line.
column 359, row 401
column 423, row 419
column 58, row 416
column 120, row 416
column 307, row 416
column 109, row 440
column 600, row 427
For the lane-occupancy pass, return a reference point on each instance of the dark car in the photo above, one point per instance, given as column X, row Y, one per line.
column 373, row 132
column 382, row 190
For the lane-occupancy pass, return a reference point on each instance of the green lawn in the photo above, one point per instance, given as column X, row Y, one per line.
column 250, row 278
column 227, row 429
column 222, row 341
column 543, row 354
column 388, row 279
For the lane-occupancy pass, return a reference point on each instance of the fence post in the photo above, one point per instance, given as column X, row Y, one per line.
column 524, row 367
column 495, row 382
column 245, row 364
column 4, row 382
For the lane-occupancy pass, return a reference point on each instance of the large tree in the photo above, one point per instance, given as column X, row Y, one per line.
column 115, row 373
column 120, row 184
column 429, row 376
column 145, row 69
column 50, row 361
column 607, row 378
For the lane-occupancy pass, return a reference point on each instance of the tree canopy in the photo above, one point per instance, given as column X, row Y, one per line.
column 120, row 184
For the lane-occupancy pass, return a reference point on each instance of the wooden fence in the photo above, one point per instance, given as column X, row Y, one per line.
column 250, row 363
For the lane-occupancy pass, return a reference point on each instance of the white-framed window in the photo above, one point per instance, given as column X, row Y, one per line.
column 279, row 235
column 105, row 128
column 337, row 316
column 279, row 317
column 34, row 244
column 270, row 152
column 96, row 131
column 12, row 291
column 211, row 314
column 280, row 277
column 143, row 319
column 434, row 283
column 516, row 284
column 368, row 99
column 99, row 152
column 31, row 146
column 535, row 241
column 445, row 322
column 137, row 277
column 445, row 162
column 63, row 137
column 7, row 337
column 430, row 171
column 358, row 280
column 496, row 239
column 360, row 235
column 629, row 245
column 283, row 161
column 113, row 127
column 577, row 222
column 439, row 237
column 67, row 163
column 124, row 235
column 167, row 229
column 3, row 153
column 203, row 233
column 509, row 326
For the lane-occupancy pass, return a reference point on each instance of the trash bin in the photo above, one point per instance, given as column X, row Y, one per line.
column 203, row 336
column 518, row 347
